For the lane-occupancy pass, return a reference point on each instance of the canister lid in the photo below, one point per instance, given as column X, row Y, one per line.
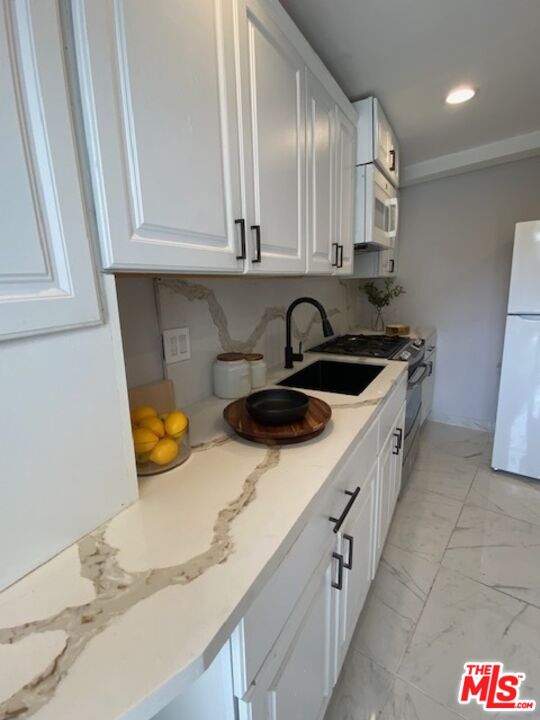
column 252, row 357
column 230, row 357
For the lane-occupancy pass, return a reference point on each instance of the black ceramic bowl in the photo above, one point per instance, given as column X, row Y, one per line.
column 277, row 407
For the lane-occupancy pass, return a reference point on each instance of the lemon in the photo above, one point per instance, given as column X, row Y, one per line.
column 154, row 424
column 163, row 416
column 141, row 412
column 164, row 452
column 176, row 424
column 144, row 440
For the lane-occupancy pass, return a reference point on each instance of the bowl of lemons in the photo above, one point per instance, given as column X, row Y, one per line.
column 160, row 440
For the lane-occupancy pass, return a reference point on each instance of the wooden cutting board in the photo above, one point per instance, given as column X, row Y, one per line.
column 311, row 425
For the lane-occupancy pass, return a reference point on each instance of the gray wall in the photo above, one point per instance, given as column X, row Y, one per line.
column 455, row 257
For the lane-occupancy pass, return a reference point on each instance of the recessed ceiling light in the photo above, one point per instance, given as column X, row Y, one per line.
column 460, row 95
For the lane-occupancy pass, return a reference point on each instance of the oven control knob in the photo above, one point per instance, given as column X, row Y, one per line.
column 418, row 343
column 405, row 355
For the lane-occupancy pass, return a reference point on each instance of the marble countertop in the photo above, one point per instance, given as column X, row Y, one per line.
column 119, row 623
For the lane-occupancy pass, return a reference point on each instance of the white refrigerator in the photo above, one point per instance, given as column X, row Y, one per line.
column 517, row 430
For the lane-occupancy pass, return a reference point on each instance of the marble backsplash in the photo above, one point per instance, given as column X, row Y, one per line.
column 223, row 314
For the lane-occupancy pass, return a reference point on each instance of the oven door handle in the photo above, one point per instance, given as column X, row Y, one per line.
column 420, row 378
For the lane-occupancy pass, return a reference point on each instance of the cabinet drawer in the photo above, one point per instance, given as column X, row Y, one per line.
column 261, row 625
column 391, row 409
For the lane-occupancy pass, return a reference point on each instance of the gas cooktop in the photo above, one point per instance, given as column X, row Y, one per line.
column 379, row 346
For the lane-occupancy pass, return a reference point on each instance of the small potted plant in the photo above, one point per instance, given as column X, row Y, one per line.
column 381, row 297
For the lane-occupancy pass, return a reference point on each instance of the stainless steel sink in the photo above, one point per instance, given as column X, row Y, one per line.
column 333, row 376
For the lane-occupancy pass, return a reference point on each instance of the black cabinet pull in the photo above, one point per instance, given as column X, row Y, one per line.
column 392, row 266
column 257, row 258
column 348, row 564
column 336, row 254
column 338, row 584
column 242, row 224
column 341, row 519
column 340, row 256
column 398, row 434
column 392, row 160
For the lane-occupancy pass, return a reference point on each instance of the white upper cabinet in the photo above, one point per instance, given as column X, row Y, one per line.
column 273, row 101
column 47, row 279
column 344, row 204
column 196, row 117
column 377, row 141
column 322, row 252
column 159, row 101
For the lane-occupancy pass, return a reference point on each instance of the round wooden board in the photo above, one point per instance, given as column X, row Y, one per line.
column 311, row 425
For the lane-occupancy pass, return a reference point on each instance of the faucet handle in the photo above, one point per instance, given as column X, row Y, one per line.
column 299, row 355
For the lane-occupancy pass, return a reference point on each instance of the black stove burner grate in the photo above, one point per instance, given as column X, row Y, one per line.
column 381, row 346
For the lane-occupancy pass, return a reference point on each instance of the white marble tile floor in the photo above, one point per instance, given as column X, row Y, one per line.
column 459, row 581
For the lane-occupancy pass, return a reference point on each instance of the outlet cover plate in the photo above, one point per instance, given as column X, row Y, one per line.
column 176, row 345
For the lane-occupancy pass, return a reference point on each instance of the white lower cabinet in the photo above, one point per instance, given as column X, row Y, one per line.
column 285, row 656
column 295, row 680
column 355, row 546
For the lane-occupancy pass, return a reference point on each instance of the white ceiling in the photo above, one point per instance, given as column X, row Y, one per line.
column 409, row 53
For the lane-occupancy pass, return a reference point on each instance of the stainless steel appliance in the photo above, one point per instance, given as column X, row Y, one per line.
column 390, row 347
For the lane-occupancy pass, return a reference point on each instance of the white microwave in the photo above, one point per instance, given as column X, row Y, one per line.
column 377, row 210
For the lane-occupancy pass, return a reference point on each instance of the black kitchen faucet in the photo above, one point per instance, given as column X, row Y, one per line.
column 290, row 356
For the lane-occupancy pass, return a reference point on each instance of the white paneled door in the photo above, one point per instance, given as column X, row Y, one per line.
column 159, row 101
column 345, row 185
column 273, row 100
column 47, row 280
column 322, row 252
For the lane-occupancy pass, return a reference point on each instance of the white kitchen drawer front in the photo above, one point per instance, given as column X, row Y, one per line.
column 159, row 100
column 47, row 280
column 273, row 87
column 255, row 635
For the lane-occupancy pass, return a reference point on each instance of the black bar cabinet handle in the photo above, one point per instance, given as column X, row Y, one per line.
column 392, row 160
column 338, row 584
column 341, row 519
column 340, row 256
column 398, row 434
column 242, row 224
column 348, row 564
column 257, row 258
column 336, row 254
column 392, row 266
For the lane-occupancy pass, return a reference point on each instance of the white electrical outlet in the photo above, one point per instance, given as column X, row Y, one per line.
column 176, row 345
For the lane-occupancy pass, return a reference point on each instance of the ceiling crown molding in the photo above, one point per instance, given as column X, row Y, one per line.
column 501, row 151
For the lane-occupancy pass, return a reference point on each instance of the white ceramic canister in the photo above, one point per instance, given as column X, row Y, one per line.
column 232, row 377
column 257, row 367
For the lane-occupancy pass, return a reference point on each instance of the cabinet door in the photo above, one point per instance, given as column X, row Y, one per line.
column 384, row 493
column 386, row 146
column 397, row 455
column 273, row 101
column 321, row 192
column 209, row 697
column 345, row 169
column 159, row 101
column 46, row 272
column 356, row 545
column 301, row 686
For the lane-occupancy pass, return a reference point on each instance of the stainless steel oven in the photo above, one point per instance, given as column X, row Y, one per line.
column 418, row 372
